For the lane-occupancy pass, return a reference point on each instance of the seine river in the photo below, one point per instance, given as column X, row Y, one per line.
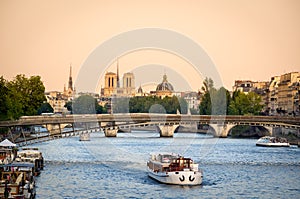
column 116, row 167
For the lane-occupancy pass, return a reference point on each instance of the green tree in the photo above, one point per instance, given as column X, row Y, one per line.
column 69, row 106
column 86, row 104
column 3, row 98
column 155, row 104
column 244, row 104
column 255, row 103
column 205, row 105
column 25, row 96
column 208, row 84
column 100, row 109
column 45, row 108
column 120, row 105
column 220, row 101
column 214, row 101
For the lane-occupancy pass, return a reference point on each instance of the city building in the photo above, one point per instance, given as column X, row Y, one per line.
column 279, row 96
column 193, row 99
column 140, row 92
column 243, row 86
column 288, row 93
column 165, row 88
column 57, row 99
column 259, row 87
column 262, row 89
column 112, row 85
column 273, row 95
column 128, row 84
column 70, row 92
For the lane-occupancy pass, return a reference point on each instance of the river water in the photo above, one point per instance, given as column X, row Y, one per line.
column 116, row 167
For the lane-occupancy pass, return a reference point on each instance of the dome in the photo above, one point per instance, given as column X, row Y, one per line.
column 165, row 85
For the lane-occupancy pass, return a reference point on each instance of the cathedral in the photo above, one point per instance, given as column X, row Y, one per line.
column 112, row 85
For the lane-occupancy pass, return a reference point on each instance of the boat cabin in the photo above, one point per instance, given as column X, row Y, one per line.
column 170, row 163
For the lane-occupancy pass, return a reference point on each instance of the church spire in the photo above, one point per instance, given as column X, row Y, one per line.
column 118, row 79
column 70, row 79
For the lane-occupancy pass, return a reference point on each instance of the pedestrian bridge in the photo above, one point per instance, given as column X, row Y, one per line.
column 165, row 123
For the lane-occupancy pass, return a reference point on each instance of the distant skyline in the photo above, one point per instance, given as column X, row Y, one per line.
column 245, row 39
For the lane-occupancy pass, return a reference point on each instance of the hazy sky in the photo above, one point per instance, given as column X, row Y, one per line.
column 253, row 39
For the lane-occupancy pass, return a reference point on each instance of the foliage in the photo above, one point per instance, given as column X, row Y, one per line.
column 205, row 105
column 245, row 104
column 3, row 98
column 45, row 108
column 215, row 102
column 69, row 105
column 151, row 104
column 120, row 105
column 208, row 85
column 86, row 104
column 218, row 101
column 21, row 96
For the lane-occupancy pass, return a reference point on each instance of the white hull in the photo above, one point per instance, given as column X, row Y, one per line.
column 84, row 137
column 177, row 178
column 268, row 141
column 273, row 144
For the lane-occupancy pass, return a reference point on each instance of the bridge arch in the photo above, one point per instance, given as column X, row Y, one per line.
column 250, row 130
column 219, row 130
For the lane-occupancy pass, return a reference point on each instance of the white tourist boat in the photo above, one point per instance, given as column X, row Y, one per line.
column 85, row 137
column 172, row 168
column 269, row 141
column 31, row 155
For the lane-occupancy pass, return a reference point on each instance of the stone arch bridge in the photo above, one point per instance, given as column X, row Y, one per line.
column 165, row 123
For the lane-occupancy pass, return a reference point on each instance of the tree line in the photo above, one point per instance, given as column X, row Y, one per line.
column 220, row 102
column 21, row 96
column 25, row 96
column 88, row 105
column 150, row 104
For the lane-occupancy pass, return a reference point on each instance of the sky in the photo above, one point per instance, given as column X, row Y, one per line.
column 244, row 39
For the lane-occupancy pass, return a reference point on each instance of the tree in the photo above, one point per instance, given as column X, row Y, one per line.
column 120, row 105
column 45, row 108
column 25, row 96
column 69, row 106
column 3, row 98
column 86, row 104
column 155, row 104
column 243, row 104
column 205, row 105
column 220, row 100
column 255, row 105
column 214, row 101
column 208, row 84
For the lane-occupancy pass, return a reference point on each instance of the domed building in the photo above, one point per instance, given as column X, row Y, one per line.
column 165, row 88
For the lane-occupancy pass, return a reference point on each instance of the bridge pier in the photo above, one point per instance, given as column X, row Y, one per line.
column 111, row 131
column 270, row 129
column 167, row 130
column 221, row 130
column 55, row 128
